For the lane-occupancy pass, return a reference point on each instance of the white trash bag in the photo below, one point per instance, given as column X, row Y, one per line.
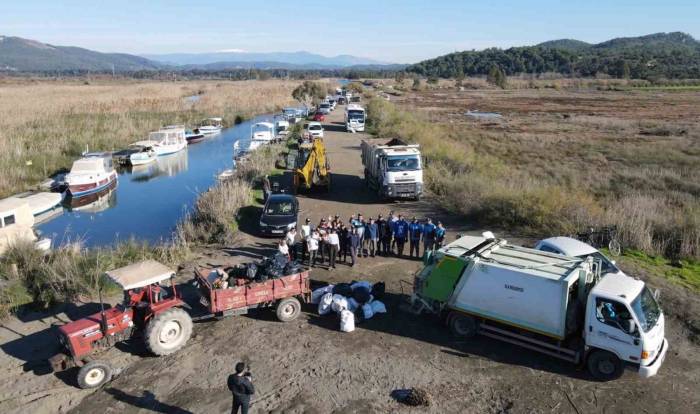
column 317, row 294
column 367, row 311
column 324, row 305
column 339, row 303
column 377, row 307
column 347, row 321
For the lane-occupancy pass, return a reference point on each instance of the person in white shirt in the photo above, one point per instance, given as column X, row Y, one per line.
column 333, row 247
column 283, row 248
column 305, row 234
column 290, row 239
column 312, row 247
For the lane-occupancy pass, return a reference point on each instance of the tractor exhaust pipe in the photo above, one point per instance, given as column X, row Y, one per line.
column 103, row 316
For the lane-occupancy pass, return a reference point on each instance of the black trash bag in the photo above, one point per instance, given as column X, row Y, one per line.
column 292, row 268
column 280, row 260
column 343, row 289
column 251, row 271
column 378, row 290
column 361, row 294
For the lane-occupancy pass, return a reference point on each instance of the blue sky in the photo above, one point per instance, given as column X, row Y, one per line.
column 395, row 31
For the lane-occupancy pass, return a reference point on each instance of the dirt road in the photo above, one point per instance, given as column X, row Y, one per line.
column 308, row 366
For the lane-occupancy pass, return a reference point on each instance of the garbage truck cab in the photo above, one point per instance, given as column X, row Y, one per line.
column 558, row 305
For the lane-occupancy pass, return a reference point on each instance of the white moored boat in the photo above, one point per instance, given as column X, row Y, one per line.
column 211, row 126
column 90, row 174
column 261, row 134
column 138, row 153
column 41, row 202
column 16, row 222
column 166, row 141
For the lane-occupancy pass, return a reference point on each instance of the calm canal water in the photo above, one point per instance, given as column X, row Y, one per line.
column 148, row 201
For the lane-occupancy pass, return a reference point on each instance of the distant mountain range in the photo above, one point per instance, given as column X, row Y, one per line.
column 25, row 55
column 670, row 55
column 276, row 60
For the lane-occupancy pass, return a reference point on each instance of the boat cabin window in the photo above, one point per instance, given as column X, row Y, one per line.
column 548, row 249
column 7, row 220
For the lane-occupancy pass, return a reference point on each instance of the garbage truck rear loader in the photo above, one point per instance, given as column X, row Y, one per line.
column 557, row 305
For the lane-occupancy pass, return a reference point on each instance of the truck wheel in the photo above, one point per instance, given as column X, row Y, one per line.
column 94, row 374
column 168, row 331
column 288, row 309
column 604, row 365
column 463, row 326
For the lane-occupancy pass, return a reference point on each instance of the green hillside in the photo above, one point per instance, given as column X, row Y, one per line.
column 669, row 55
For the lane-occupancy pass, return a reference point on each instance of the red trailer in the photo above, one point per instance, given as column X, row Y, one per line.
column 283, row 293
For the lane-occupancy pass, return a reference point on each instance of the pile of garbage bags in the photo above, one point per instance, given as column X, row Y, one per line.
column 351, row 301
column 272, row 267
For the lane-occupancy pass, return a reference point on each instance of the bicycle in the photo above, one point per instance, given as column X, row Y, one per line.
column 605, row 236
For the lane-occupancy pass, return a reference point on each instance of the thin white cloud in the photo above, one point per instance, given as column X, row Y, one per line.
column 232, row 51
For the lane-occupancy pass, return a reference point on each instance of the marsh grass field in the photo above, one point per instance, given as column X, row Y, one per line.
column 565, row 155
column 46, row 124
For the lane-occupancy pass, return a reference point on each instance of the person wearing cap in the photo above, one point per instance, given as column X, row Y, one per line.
column 415, row 230
column 429, row 235
column 380, row 233
column 400, row 234
column 241, row 386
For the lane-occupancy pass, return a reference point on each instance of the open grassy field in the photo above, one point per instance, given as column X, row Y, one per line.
column 45, row 125
column 561, row 159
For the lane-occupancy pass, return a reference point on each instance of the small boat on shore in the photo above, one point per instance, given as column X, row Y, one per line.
column 261, row 133
column 138, row 153
column 193, row 136
column 41, row 202
column 211, row 126
column 16, row 225
column 90, row 174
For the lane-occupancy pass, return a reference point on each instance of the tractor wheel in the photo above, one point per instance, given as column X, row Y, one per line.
column 94, row 374
column 168, row 331
column 288, row 309
column 604, row 365
column 463, row 326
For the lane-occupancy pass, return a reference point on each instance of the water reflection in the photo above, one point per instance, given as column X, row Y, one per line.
column 93, row 203
column 167, row 165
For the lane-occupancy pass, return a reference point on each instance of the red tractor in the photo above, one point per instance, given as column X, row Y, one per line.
column 149, row 310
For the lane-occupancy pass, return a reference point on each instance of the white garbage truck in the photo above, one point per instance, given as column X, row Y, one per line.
column 354, row 118
column 554, row 304
column 393, row 169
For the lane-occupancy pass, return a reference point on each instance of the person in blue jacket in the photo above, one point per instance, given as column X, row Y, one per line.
column 372, row 236
column 429, row 235
column 415, row 231
column 400, row 234
column 439, row 235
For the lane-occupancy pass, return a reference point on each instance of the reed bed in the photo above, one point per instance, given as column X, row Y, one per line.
column 45, row 125
column 545, row 174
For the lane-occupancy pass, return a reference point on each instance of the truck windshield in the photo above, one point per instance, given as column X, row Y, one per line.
column 403, row 163
column 356, row 115
column 646, row 309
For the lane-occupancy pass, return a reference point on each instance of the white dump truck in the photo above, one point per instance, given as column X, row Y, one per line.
column 354, row 118
column 393, row 169
column 554, row 304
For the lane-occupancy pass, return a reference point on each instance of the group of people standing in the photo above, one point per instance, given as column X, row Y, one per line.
column 333, row 240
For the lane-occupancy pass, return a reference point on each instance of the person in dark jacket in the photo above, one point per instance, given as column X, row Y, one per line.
column 242, row 389
column 387, row 236
column 354, row 245
column 380, row 234
column 415, row 230
column 439, row 235
column 400, row 234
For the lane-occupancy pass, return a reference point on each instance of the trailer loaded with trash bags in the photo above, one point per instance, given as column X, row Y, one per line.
column 353, row 302
column 275, row 282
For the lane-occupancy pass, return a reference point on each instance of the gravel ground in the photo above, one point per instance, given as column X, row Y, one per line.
column 308, row 366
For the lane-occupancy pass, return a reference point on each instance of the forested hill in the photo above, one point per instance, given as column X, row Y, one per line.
column 670, row 55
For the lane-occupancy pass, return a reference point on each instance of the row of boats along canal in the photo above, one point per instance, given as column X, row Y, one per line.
column 148, row 208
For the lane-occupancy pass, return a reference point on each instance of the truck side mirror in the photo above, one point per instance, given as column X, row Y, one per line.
column 629, row 326
column 657, row 294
